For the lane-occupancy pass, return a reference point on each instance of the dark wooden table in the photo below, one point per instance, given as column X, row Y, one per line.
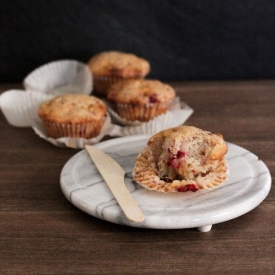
column 43, row 233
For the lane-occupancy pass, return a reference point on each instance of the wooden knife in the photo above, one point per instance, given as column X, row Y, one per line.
column 113, row 174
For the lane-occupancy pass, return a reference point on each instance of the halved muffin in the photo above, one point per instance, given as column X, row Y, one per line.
column 181, row 159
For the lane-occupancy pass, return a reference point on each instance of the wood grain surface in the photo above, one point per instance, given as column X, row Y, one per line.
column 43, row 233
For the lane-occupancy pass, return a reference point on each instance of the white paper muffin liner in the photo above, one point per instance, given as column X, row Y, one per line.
column 103, row 83
column 79, row 130
column 142, row 113
column 170, row 119
column 60, row 77
column 175, row 105
column 71, row 142
column 20, row 107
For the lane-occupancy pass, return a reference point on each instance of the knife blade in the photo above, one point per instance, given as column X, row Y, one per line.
column 113, row 174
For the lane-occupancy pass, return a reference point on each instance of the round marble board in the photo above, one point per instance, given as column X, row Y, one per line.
column 248, row 185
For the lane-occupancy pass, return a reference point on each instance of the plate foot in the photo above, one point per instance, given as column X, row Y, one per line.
column 205, row 228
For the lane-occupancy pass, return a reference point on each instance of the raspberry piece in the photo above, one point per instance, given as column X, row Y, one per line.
column 153, row 98
column 180, row 154
column 189, row 187
column 173, row 160
column 174, row 163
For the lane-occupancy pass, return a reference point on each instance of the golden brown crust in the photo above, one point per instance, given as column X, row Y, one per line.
column 140, row 92
column 118, row 64
column 181, row 159
column 72, row 108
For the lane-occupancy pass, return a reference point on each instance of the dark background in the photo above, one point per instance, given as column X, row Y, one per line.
column 183, row 40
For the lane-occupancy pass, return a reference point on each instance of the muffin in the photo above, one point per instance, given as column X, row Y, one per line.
column 182, row 159
column 112, row 66
column 73, row 115
column 141, row 99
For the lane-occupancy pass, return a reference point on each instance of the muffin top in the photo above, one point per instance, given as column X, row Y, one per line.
column 72, row 108
column 140, row 91
column 119, row 64
column 189, row 140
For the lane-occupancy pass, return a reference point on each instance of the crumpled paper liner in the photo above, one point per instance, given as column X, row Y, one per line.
column 76, row 143
column 20, row 107
column 102, row 83
column 55, row 78
column 170, row 119
column 60, row 77
column 175, row 105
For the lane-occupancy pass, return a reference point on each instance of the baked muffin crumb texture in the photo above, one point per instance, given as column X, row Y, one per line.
column 182, row 159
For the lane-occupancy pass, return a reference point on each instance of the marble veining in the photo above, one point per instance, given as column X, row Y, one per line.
column 248, row 185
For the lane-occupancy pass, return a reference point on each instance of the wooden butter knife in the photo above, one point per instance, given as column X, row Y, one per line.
column 113, row 174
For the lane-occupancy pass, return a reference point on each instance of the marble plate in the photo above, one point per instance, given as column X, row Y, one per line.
column 248, row 185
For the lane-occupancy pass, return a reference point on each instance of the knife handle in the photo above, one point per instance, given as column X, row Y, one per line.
column 113, row 175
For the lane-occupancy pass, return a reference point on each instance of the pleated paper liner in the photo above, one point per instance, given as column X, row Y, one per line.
column 170, row 119
column 71, row 142
column 112, row 108
column 55, row 78
column 165, row 121
column 85, row 130
column 103, row 83
column 20, row 107
column 60, row 77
